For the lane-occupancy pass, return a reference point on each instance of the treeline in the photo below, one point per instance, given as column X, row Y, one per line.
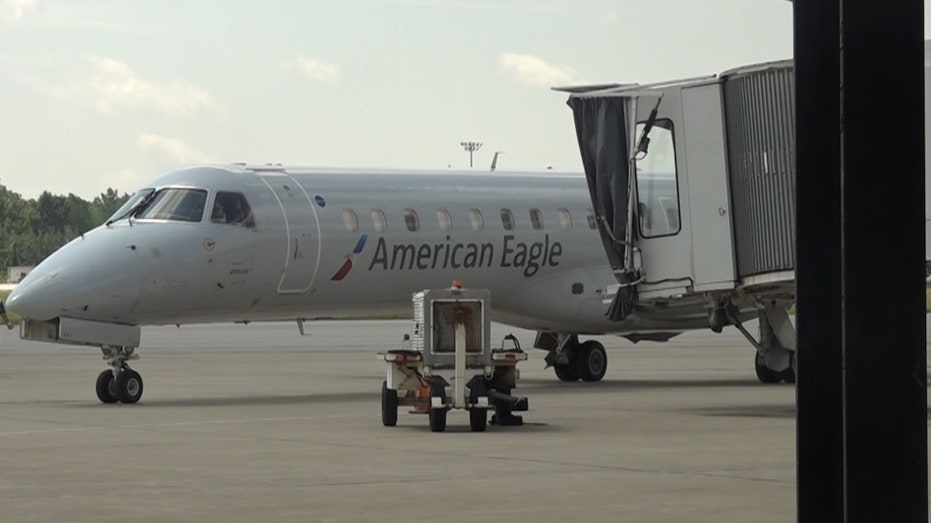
column 32, row 229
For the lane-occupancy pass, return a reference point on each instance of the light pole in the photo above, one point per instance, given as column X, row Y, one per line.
column 471, row 147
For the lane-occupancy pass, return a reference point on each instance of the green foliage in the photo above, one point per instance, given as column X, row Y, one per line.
column 32, row 229
column 13, row 318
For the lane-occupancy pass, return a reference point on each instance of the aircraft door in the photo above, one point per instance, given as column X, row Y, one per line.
column 302, row 232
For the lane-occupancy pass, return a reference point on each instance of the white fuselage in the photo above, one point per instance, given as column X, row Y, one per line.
column 344, row 243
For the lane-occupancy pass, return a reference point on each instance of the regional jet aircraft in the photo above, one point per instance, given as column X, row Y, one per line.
column 238, row 243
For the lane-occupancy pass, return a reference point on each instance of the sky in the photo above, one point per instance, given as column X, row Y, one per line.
column 98, row 94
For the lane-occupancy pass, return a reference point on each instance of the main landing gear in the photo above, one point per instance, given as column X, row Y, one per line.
column 578, row 361
column 119, row 383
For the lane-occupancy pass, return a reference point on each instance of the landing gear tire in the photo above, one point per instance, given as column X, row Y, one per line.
column 106, row 388
column 389, row 405
column 437, row 416
column 565, row 372
column 764, row 373
column 591, row 362
column 128, row 386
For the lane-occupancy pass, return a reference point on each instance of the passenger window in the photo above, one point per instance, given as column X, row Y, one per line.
column 411, row 220
column 350, row 220
column 444, row 219
column 478, row 221
column 592, row 223
column 536, row 219
column 507, row 219
column 657, row 183
column 565, row 219
column 379, row 221
column 183, row 205
column 233, row 209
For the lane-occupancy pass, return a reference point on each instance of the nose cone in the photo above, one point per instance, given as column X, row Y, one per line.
column 38, row 296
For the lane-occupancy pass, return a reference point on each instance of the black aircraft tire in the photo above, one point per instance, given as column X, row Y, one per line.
column 592, row 361
column 565, row 372
column 764, row 373
column 128, row 386
column 106, row 390
column 389, row 405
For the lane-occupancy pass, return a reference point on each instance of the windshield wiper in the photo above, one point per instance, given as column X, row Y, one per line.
column 135, row 209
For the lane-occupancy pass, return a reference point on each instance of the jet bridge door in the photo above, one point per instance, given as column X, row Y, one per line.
column 302, row 233
column 663, row 206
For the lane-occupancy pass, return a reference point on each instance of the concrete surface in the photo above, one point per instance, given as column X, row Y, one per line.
column 255, row 423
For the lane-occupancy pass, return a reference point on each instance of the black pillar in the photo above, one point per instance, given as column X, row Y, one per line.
column 862, row 393
column 819, row 384
column 883, row 257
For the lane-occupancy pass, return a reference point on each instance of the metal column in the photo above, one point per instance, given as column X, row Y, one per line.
column 879, row 307
column 819, row 385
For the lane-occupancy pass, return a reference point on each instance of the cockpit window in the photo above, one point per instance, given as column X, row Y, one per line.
column 232, row 208
column 184, row 205
column 123, row 211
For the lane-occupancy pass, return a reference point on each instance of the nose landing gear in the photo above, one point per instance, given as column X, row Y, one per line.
column 119, row 383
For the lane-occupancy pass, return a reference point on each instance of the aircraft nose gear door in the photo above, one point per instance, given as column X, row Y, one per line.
column 302, row 253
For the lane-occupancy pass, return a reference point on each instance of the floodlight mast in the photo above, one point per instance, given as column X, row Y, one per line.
column 471, row 147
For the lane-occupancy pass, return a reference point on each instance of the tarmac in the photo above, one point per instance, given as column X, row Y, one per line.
column 256, row 423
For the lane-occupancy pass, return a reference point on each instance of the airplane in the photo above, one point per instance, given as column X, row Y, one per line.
column 240, row 243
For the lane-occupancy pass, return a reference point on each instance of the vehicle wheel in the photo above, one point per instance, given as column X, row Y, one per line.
column 389, row 405
column 437, row 416
column 764, row 373
column 478, row 417
column 106, row 388
column 128, row 386
column 788, row 375
column 565, row 372
column 592, row 361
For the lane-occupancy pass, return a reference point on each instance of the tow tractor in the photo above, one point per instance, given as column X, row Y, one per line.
column 450, row 363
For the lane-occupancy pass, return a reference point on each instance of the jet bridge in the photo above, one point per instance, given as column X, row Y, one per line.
column 693, row 183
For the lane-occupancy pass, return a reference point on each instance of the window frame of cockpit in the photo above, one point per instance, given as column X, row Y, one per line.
column 157, row 197
column 130, row 203
column 665, row 124
column 248, row 220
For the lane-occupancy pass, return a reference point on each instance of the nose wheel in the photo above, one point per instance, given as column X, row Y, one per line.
column 119, row 383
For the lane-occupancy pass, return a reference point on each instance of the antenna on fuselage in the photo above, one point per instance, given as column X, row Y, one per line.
column 494, row 160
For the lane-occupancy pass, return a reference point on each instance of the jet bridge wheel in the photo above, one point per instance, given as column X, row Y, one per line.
column 788, row 375
column 591, row 361
column 389, row 405
column 764, row 373
column 128, row 385
column 437, row 416
column 106, row 388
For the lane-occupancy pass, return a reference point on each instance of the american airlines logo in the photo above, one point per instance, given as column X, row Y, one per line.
column 347, row 265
